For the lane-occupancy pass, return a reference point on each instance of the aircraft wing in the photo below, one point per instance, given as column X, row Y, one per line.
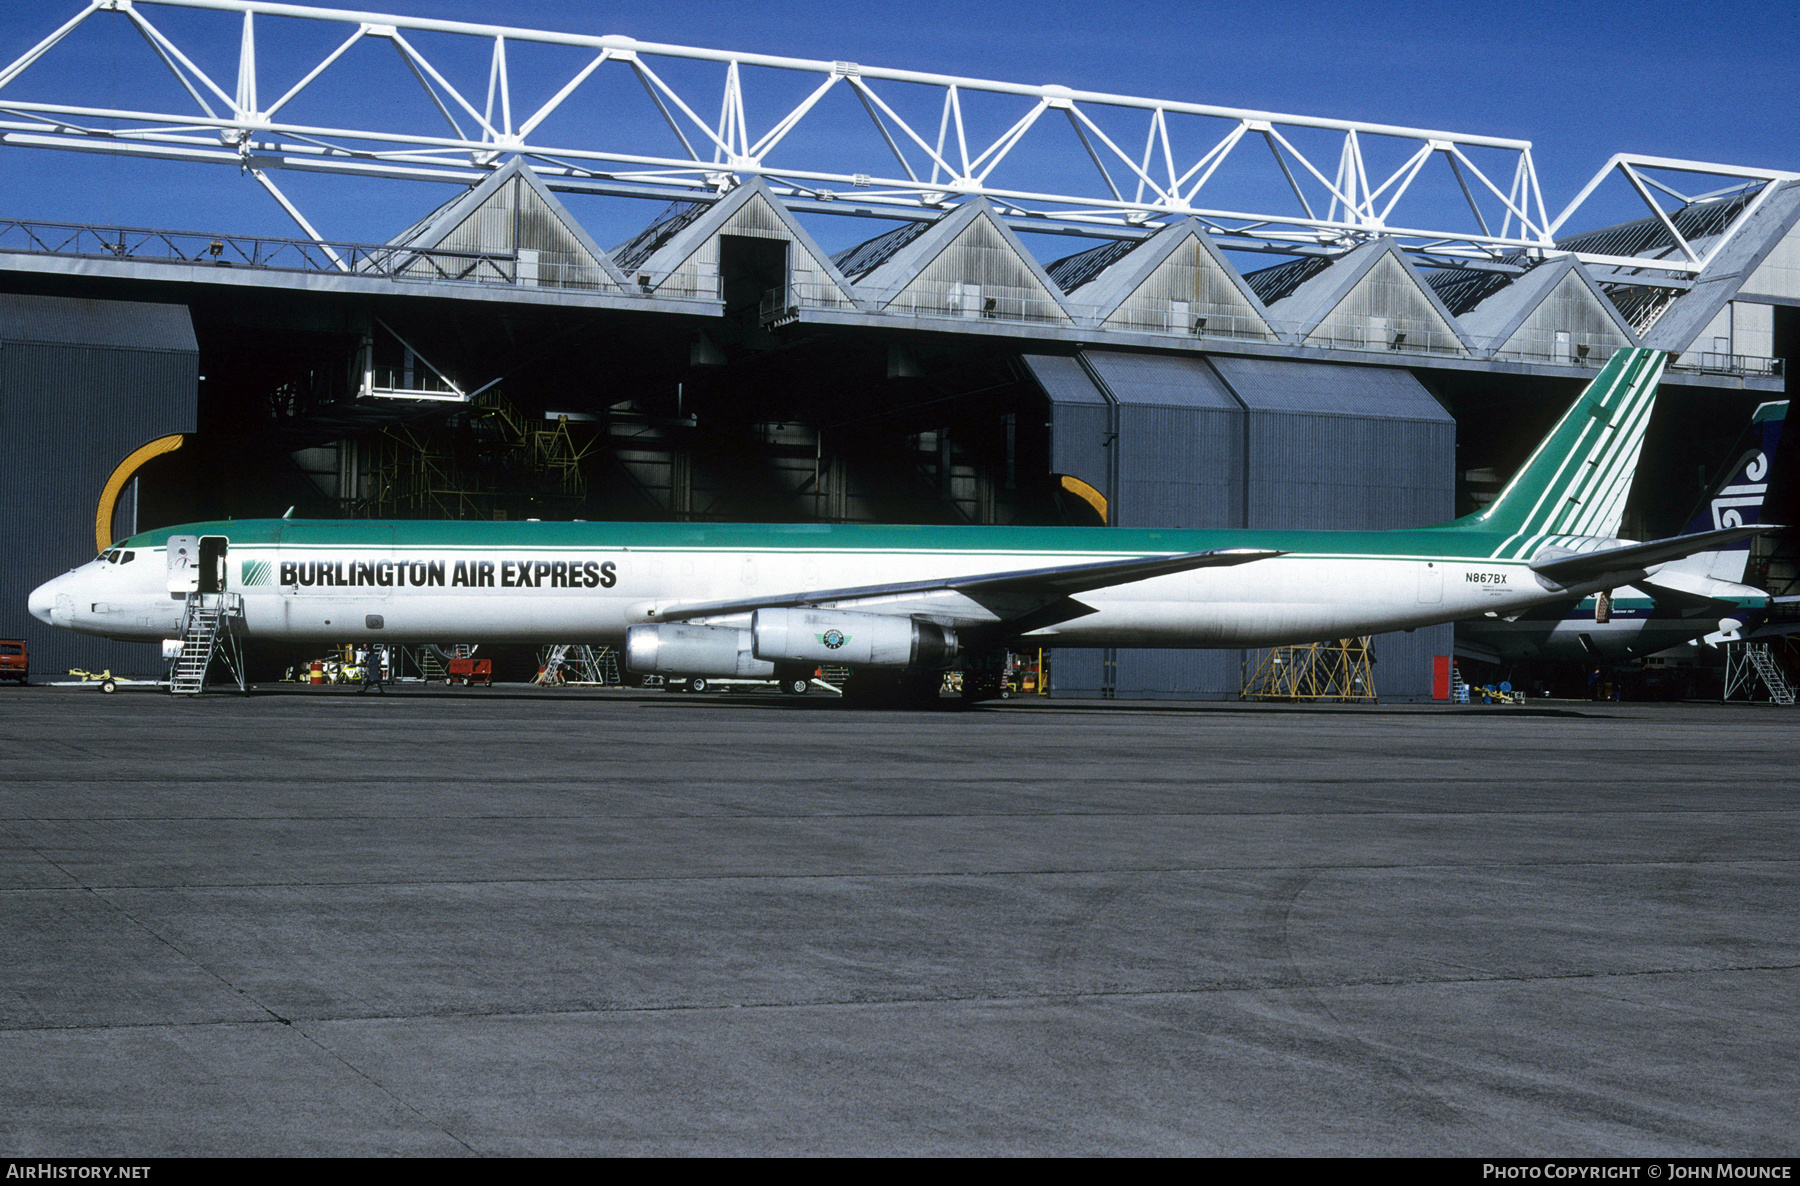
column 1025, row 589
column 1573, row 568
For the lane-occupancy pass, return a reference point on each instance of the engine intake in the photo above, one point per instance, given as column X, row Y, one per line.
column 676, row 649
column 853, row 639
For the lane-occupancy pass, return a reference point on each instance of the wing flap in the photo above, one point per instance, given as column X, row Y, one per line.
column 1047, row 584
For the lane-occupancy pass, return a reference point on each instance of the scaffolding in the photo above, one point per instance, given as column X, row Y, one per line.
column 576, row 663
column 470, row 467
column 1339, row 670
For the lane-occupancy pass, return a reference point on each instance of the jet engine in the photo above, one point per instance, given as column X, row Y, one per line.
column 672, row 648
column 853, row 639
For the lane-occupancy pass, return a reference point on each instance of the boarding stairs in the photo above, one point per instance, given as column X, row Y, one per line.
column 599, row 665
column 551, row 672
column 578, row 663
column 208, row 630
column 1780, row 691
column 431, row 668
column 1748, row 664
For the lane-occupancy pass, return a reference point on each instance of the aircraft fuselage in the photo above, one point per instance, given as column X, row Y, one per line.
column 329, row 581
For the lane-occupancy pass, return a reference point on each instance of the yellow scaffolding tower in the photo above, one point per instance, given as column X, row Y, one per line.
column 1337, row 670
column 416, row 473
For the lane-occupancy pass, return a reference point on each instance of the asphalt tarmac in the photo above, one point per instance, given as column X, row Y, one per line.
column 520, row 922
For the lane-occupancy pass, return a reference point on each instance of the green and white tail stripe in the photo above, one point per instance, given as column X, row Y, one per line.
column 1577, row 481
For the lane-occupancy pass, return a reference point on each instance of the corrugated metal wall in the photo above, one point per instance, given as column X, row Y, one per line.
column 982, row 257
column 1081, row 421
column 515, row 217
column 698, row 274
column 563, row 260
column 69, row 413
column 1386, row 300
column 806, row 272
column 1193, row 276
column 1181, row 441
column 1180, row 464
column 1779, row 273
column 1235, row 442
column 1571, row 308
column 1081, row 432
column 1353, row 449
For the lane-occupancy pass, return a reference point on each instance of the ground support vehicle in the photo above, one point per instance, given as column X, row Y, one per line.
column 15, row 660
column 470, row 671
column 796, row 685
column 107, row 682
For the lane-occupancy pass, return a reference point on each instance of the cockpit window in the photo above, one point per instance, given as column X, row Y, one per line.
column 127, row 557
column 110, row 556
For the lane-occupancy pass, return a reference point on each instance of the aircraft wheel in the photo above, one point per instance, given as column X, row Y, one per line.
column 796, row 686
column 108, row 687
column 696, row 684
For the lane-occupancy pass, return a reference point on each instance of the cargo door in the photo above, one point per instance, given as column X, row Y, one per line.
column 1431, row 583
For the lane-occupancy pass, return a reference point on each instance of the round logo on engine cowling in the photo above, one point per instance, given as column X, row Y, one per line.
column 833, row 639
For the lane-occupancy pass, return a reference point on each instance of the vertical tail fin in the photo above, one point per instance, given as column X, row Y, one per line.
column 1577, row 480
column 1736, row 499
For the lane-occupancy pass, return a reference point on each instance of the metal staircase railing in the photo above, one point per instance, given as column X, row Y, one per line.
column 431, row 668
column 600, row 665
column 1746, row 664
column 551, row 673
column 207, row 621
column 1780, row 691
column 579, row 663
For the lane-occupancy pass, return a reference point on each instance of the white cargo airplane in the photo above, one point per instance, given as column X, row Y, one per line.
column 1701, row 596
column 901, row 603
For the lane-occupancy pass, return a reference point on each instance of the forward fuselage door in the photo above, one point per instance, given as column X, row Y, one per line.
column 183, row 556
column 211, row 577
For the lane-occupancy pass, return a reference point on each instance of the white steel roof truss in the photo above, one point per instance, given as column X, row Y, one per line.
column 739, row 152
column 1631, row 166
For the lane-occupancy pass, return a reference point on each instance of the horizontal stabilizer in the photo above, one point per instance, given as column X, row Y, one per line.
column 1696, row 586
column 1060, row 581
column 1574, row 568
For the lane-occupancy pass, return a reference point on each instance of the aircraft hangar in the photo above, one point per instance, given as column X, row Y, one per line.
column 956, row 350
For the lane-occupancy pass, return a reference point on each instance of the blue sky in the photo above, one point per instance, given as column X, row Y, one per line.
column 1711, row 82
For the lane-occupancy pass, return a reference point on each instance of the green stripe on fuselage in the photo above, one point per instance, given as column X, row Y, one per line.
column 1430, row 543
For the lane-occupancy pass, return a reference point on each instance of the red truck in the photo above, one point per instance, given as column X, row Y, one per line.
column 14, row 662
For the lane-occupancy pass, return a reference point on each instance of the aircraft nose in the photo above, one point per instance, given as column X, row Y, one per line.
column 42, row 601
